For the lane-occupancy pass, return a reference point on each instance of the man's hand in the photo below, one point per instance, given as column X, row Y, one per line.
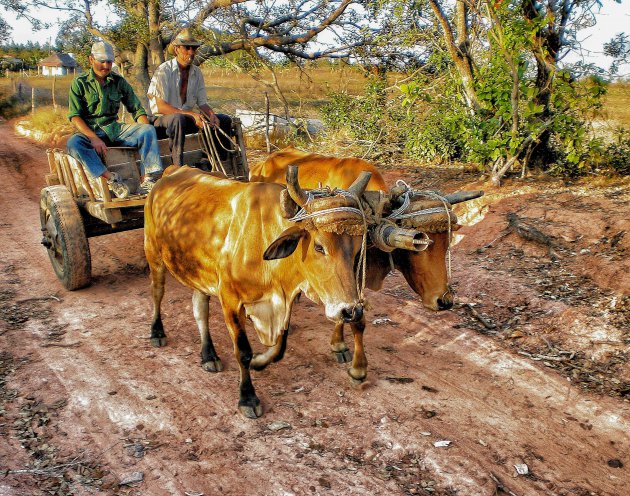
column 211, row 118
column 99, row 145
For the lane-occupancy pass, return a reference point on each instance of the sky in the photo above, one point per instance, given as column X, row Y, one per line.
column 612, row 19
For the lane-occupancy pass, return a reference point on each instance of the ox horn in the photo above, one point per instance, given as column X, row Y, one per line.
column 360, row 183
column 298, row 195
column 462, row 196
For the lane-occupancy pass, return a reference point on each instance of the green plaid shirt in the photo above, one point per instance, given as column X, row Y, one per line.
column 98, row 105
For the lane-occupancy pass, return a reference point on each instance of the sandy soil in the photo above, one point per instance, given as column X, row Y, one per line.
column 530, row 367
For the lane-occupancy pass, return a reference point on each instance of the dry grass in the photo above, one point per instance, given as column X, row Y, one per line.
column 46, row 119
column 305, row 91
column 617, row 104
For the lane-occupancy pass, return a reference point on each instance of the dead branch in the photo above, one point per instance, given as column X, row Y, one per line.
column 500, row 486
column 530, row 233
column 485, row 322
column 39, row 298
column 61, row 345
column 498, row 238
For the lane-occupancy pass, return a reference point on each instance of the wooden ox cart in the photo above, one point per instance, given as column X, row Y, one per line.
column 75, row 206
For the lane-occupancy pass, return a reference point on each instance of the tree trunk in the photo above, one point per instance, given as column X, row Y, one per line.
column 461, row 59
column 546, row 45
column 155, row 39
column 141, row 74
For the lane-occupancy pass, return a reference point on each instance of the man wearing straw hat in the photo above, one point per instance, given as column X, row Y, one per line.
column 93, row 104
column 176, row 90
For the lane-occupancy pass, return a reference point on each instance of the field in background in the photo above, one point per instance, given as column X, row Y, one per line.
column 305, row 91
column 617, row 104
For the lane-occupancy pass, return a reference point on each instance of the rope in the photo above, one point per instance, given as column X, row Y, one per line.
column 211, row 149
column 363, row 255
column 434, row 210
column 302, row 215
column 209, row 143
column 218, row 130
column 399, row 213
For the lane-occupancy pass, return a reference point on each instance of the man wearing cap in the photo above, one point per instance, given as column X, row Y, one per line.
column 94, row 101
column 176, row 89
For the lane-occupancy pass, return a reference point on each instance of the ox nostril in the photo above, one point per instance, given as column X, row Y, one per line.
column 444, row 304
column 346, row 314
column 352, row 314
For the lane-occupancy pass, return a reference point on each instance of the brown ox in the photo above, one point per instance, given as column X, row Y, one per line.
column 425, row 271
column 214, row 235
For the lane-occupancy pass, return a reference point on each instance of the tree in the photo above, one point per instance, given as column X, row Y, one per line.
column 619, row 49
column 522, row 106
column 142, row 29
column 5, row 30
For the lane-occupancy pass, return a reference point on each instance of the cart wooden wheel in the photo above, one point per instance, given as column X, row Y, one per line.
column 64, row 237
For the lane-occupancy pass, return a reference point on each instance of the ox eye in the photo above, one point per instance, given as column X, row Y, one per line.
column 319, row 248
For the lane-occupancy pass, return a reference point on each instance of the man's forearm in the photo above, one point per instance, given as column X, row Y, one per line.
column 166, row 108
column 205, row 108
column 82, row 127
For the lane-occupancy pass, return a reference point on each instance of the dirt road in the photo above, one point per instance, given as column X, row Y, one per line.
column 530, row 368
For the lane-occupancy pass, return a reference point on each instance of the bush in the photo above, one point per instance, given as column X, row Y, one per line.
column 13, row 106
column 618, row 152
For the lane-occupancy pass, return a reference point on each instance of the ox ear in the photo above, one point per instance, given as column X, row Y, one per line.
column 285, row 244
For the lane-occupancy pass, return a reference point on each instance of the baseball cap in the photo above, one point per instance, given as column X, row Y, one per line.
column 102, row 51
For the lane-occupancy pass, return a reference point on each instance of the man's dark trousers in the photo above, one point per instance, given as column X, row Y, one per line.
column 177, row 126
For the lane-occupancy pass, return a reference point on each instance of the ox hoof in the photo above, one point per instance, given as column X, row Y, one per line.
column 357, row 377
column 158, row 342
column 251, row 412
column 343, row 356
column 212, row 365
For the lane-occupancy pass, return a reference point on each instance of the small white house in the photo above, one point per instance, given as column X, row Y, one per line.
column 58, row 64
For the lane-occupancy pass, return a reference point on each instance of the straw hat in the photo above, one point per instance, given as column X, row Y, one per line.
column 185, row 38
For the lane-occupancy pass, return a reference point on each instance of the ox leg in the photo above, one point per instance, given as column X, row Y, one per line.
column 248, row 403
column 210, row 361
column 358, row 370
column 274, row 353
column 339, row 346
column 158, row 338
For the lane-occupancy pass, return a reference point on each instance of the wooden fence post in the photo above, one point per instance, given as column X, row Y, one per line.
column 54, row 81
column 267, row 124
column 33, row 100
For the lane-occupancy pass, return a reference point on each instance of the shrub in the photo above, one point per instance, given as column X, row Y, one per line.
column 617, row 153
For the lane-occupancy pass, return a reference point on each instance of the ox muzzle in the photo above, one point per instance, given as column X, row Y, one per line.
column 353, row 314
column 345, row 313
